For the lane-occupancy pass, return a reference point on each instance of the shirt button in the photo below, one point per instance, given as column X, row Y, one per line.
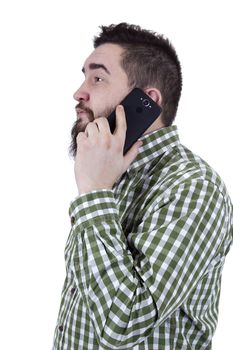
column 60, row 328
column 72, row 220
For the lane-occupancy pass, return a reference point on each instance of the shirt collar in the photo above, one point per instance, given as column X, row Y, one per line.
column 154, row 144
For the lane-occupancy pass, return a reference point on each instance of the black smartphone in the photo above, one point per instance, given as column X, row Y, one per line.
column 140, row 111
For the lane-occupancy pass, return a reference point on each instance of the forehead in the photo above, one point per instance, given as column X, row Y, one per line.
column 107, row 54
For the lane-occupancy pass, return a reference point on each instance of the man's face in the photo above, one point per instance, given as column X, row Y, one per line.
column 104, row 87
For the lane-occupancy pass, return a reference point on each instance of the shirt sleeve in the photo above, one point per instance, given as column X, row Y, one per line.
column 126, row 294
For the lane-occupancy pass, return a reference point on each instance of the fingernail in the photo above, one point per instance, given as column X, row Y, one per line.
column 140, row 143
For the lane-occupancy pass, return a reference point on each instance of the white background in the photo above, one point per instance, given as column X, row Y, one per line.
column 43, row 46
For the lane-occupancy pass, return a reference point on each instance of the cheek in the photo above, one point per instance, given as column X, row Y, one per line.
column 101, row 103
column 103, row 111
column 105, row 101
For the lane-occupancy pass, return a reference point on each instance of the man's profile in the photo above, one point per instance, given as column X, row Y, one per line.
column 151, row 228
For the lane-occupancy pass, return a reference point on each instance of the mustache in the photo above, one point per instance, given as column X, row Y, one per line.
column 81, row 106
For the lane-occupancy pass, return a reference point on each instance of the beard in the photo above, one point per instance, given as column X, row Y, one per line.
column 81, row 123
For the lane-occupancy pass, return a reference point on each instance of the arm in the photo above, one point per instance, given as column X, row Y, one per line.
column 175, row 241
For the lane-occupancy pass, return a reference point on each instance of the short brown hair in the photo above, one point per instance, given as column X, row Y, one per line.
column 149, row 59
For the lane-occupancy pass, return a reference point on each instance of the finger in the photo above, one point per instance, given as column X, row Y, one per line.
column 121, row 125
column 132, row 154
column 91, row 129
column 103, row 125
column 81, row 136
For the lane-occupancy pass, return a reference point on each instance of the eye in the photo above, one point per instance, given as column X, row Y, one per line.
column 98, row 79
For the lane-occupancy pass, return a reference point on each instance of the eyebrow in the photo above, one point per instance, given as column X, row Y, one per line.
column 93, row 66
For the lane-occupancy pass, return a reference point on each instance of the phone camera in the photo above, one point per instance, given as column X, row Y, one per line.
column 146, row 103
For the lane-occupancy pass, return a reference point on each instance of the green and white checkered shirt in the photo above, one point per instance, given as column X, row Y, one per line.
column 144, row 260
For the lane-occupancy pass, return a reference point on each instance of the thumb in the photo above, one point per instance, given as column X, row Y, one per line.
column 132, row 154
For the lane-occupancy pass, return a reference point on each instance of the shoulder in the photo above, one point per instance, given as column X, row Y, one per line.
column 183, row 168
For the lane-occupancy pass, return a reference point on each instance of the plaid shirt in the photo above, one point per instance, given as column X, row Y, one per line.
column 144, row 260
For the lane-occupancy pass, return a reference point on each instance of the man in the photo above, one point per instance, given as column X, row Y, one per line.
column 151, row 229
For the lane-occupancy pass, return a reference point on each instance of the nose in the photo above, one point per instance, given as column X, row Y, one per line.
column 81, row 94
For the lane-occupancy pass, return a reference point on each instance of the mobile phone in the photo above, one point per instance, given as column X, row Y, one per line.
column 140, row 112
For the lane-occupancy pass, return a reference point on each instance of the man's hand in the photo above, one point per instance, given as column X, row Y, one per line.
column 99, row 161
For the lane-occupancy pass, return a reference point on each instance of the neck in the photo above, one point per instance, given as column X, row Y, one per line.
column 158, row 124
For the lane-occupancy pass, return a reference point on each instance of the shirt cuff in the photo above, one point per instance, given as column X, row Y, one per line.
column 93, row 207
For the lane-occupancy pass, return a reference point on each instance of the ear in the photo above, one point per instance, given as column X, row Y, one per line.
column 154, row 94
